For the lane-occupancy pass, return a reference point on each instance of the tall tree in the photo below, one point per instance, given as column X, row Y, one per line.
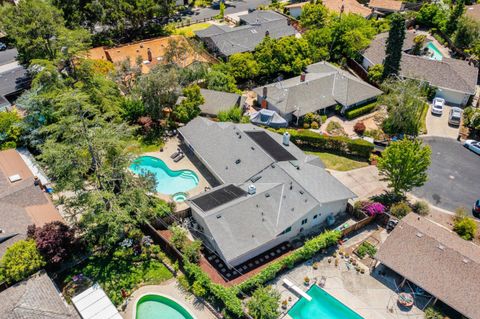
column 404, row 165
column 314, row 15
column 455, row 15
column 393, row 50
column 264, row 303
column 38, row 29
column 188, row 108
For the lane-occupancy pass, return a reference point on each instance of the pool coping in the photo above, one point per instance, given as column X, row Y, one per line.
column 134, row 312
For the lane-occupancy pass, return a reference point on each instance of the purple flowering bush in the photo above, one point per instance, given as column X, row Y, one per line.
column 374, row 209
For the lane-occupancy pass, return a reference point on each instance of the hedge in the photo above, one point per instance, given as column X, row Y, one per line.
column 307, row 251
column 335, row 144
column 358, row 111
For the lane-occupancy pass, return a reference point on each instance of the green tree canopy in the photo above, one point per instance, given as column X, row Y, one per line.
column 320, row 41
column 220, row 81
column 467, row 36
column 314, row 16
column 404, row 165
column 432, row 15
column 188, row 108
column 393, row 51
column 38, row 29
column 264, row 303
column 455, row 15
column 243, row 66
column 10, row 129
column 20, row 260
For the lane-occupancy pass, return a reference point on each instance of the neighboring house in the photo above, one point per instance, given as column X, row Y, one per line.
column 270, row 191
column 254, row 26
column 21, row 202
column 454, row 79
column 436, row 260
column 345, row 6
column 150, row 53
column 35, row 298
column 13, row 78
column 473, row 12
column 386, row 6
column 217, row 101
column 323, row 86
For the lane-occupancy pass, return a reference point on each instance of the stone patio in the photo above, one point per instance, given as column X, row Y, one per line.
column 372, row 296
column 171, row 290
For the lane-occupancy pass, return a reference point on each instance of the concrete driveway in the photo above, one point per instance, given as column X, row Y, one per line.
column 437, row 125
column 453, row 176
column 364, row 182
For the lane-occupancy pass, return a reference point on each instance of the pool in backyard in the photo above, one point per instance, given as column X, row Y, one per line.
column 435, row 53
column 153, row 306
column 322, row 305
column 168, row 181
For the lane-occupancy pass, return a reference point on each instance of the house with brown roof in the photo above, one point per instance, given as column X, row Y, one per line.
column 152, row 52
column 21, row 202
column 455, row 80
column 35, row 298
column 337, row 6
column 437, row 260
column 386, row 6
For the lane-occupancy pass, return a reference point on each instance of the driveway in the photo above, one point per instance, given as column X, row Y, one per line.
column 231, row 7
column 453, row 176
column 438, row 125
column 364, row 182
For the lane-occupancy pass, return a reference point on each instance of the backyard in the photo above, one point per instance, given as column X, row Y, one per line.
column 340, row 163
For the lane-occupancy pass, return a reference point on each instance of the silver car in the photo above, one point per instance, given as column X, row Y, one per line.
column 472, row 145
column 455, row 116
column 437, row 106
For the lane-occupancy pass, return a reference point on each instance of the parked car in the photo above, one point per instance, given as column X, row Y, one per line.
column 3, row 46
column 476, row 208
column 473, row 146
column 437, row 106
column 455, row 116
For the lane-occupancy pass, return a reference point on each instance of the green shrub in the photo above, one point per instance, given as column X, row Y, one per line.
column 314, row 125
column 434, row 313
column 323, row 118
column 366, row 249
column 335, row 144
column 421, row 208
column 20, row 260
column 466, row 228
column 400, row 210
column 361, row 110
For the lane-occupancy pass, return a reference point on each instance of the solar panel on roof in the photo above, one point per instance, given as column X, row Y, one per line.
column 219, row 197
column 269, row 145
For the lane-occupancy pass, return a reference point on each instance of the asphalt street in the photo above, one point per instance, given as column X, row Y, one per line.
column 231, row 7
column 453, row 176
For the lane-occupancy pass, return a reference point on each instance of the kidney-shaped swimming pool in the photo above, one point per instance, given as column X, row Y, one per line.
column 168, row 181
column 154, row 306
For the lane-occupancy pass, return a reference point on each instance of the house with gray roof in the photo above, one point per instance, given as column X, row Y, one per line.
column 13, row 78
column 269, row 190
column 254, row 26
column 322, row 86
column 35, row 298
column 437, row 260
column 217, row 101
column 454, row 79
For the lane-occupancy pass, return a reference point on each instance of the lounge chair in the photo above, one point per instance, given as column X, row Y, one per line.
column 175, row 154
column 178, row 158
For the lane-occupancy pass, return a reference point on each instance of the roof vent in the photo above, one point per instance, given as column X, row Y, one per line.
column 301, row 192
column 238, row 161
column 255, row 178
column 441, row 247
column 253, row 148
column 219, row 216
column 252, row 189
column 465, row 260
column 267, row 195
column 419, row 235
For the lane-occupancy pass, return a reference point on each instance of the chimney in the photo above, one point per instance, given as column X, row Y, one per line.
column 265, row 91
column 303, row 77
column 264, row 104
column 149, row 52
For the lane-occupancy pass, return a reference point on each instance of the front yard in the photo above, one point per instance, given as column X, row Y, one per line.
column 340, row 163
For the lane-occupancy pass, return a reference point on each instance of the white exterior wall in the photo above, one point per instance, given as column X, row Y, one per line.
column 453, row 97
column 295, row 12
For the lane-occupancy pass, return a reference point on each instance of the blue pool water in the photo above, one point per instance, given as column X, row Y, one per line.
column 322, row 306
column 168, row 182
column 435, row 53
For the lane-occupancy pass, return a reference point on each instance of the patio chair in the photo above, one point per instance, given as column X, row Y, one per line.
column 175, row 154
column 178, row 158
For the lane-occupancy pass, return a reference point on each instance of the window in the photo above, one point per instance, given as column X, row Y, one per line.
column 314, row 216
column 286, row 230
column 304, row 221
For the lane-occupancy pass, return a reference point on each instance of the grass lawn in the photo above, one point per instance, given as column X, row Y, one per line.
column 340, row 163
column 141, row 146
column 423, row 119
column 189, row 31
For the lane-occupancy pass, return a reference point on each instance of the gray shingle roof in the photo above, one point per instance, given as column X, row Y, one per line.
column 325, row 85
column 228, row 41
column 437, row 260
column 216, row 101
column 35, row 298
column 284, row 193
column 449, row 73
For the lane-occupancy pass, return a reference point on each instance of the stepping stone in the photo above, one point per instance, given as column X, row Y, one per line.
column 223, row 270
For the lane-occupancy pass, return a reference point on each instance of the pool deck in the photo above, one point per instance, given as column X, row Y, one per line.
column 369, row 295
column 169, row 148
column 171, row 290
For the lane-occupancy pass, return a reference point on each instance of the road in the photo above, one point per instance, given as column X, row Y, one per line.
column 453, row 176
column 231, row 7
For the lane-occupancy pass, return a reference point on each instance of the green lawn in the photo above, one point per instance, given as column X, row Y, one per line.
column 340, row 163
column 141, row 146
column 189, row 31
